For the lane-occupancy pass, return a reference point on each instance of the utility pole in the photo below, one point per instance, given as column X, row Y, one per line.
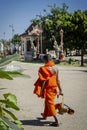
column 4, row 35
column 12, row 27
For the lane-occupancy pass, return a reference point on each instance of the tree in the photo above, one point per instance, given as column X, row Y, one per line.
column 55, row 20
column 79, row 20
column 16, row 38
column 73, row 24
column 52, row 23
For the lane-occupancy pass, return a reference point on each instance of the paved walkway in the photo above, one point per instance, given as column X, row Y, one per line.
column 74, row 83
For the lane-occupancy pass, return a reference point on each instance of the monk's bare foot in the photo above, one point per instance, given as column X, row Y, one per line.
column 43, row 116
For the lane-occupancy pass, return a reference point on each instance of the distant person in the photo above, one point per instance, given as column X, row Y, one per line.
column 48, row 87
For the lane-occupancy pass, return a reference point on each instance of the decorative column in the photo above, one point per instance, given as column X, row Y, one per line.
column 38, row 47
column 41, row 36
column 62, row 57
column 61, row 38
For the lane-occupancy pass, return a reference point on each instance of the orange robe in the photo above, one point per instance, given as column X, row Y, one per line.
column 50, row 88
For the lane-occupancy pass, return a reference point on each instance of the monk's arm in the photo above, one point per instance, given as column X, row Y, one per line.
column 59, row 84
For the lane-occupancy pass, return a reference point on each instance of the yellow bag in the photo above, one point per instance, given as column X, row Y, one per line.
column 63, row 108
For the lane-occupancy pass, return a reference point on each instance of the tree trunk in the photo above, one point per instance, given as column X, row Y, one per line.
column 82, row 64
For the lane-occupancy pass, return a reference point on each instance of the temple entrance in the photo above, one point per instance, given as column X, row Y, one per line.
column 28, row 45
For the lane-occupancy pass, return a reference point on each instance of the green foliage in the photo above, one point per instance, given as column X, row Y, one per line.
column 73, row 24
column 4, row 74
column 8, row 59
column 9, row 74
column 79, row 28
column 9, row 102
column 6, row 124
column 71, row 60
column 16, row 38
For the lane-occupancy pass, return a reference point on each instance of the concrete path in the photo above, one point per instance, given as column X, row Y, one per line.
column 74, row 83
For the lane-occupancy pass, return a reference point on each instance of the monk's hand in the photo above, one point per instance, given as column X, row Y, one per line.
column 57, row 95
column 61, row 93
column 42, row 95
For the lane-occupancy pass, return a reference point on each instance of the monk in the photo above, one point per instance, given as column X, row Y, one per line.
column 48, row 87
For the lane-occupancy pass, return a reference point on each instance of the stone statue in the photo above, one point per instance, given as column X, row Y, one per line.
column 55, row 46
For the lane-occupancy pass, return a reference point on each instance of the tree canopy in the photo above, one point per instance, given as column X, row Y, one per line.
column 73, row 24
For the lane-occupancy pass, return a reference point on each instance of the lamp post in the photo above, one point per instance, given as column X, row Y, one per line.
column 13, row 45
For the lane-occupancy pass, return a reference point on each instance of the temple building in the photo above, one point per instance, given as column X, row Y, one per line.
column 31, row 42
column 1, row 48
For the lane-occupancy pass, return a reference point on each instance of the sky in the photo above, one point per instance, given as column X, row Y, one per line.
column 17, row 14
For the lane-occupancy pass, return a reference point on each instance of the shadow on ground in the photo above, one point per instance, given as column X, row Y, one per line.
column 36, row 122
